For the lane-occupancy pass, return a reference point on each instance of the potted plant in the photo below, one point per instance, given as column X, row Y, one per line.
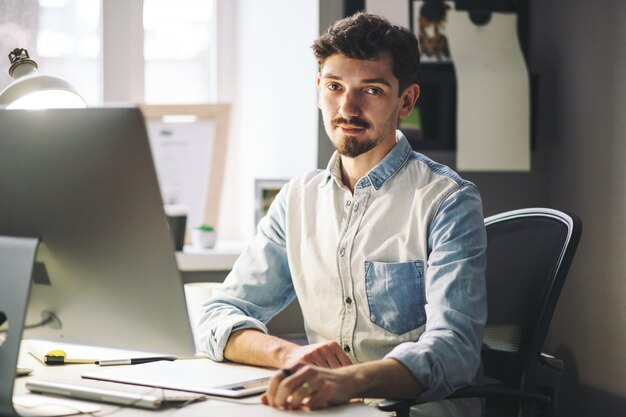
column 204, row 237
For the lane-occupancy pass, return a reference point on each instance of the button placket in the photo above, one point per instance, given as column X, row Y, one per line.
column 354, row 211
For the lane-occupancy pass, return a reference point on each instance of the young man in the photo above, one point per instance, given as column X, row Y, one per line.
column 384, row 249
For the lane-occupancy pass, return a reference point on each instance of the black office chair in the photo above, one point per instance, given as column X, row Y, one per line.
column 529, row 252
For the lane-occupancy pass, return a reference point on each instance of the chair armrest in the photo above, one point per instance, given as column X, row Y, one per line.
column 388, row 405
column 472, row 391
column 552, row 362
column 500, row 391
column 549, row 372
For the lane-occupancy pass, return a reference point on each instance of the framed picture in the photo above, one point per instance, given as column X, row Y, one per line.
column 428, row 22
column 432, row 123
column 189, row 144
column 265, row 191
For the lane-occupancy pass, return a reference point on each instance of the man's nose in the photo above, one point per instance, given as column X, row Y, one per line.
column 349, row 105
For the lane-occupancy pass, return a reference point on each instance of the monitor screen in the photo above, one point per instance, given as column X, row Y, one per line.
column 83, row 182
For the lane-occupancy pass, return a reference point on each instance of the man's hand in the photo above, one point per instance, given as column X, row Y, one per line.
column 325, row 355
column 310, row 386
column 314, row 387
column 256, row 348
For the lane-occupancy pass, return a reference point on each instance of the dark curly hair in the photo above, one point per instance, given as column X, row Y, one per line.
column 366, row 36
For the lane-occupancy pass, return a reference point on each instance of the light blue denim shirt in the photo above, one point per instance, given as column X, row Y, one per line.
column 394, row 270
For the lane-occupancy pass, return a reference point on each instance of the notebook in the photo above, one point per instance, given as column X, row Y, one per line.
column 202, row 376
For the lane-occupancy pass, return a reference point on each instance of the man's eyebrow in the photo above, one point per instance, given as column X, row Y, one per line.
column 383, row 81
column 332, row 77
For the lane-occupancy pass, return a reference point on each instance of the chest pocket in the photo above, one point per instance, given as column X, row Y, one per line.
column 396, row 295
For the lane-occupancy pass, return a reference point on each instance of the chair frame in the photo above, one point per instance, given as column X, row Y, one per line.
column 527, row 393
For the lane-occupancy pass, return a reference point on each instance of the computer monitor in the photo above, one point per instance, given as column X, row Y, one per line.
column 84, row 183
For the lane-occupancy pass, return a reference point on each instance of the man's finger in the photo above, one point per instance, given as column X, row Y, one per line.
column 342, row 357
column 274, row 383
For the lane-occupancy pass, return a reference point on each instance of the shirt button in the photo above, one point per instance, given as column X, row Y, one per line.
column 348, row 203
column 346, row 349
column 356, row 207
column 342, row 252
column 348, row 300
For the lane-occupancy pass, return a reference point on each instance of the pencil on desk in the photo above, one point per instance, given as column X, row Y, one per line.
column 134, row 361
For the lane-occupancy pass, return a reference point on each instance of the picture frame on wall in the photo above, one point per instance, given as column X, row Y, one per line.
column 189, row 146
column 428, row 21
column 265, row 190
column 432, row 123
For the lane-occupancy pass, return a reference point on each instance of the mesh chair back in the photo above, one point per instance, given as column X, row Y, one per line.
column 529, row 252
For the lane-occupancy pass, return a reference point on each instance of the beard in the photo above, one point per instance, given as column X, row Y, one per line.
column 351, row 146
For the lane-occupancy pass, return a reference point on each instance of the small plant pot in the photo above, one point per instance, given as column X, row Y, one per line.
column 203, row 239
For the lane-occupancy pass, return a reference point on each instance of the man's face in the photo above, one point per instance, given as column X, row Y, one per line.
column 359, row 102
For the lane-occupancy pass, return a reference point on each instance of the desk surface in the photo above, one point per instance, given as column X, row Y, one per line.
column 212, row 407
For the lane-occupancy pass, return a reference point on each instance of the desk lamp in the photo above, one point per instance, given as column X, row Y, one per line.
column 32, row 90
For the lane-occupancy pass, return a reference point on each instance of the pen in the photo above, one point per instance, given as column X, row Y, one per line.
column 134, row 361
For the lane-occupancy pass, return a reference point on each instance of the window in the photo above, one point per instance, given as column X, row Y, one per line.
column 178, row 51
column 178, row 45
column 68, row 44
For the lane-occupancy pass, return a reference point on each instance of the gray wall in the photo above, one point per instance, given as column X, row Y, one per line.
column 585, row 60
column 578, row 49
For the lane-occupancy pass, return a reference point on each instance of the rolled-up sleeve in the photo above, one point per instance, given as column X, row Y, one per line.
column 447, row 354
column 258, row 287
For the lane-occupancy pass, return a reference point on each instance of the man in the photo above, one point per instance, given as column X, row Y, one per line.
column 384, row 249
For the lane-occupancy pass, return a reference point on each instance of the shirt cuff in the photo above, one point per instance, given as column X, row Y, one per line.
column 425, row 367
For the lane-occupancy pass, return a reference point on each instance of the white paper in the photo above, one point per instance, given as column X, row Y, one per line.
column 197, row 375
column 39, row 349
column 493, row 111
column 182, row 154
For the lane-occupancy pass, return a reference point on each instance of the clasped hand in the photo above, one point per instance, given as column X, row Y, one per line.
column 312, row 377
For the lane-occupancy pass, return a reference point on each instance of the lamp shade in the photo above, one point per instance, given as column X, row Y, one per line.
column 31, row 90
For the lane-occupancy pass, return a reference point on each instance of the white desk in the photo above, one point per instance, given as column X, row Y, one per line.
column 208, row 408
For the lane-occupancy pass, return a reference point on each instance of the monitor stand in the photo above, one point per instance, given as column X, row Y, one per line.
column 17, row 256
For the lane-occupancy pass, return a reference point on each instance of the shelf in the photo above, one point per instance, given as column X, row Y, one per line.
column 220, row 258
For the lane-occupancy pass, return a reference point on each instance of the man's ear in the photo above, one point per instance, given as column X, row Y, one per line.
column 409, row 98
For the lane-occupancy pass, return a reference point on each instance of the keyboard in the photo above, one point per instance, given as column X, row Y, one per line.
column 112, row 392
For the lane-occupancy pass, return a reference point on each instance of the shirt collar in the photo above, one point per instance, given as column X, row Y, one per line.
column 383, row 171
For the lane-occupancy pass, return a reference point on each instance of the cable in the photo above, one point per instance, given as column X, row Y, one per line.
column 48, row 318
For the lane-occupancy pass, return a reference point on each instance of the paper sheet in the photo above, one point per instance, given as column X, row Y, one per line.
column 182, row 155
column 39, row 349
column 493, row 111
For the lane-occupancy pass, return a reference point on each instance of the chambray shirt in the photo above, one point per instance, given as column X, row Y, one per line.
column 394, row 270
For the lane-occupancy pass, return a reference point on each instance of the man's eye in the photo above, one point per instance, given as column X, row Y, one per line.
column 373, row 91
column 333, row 86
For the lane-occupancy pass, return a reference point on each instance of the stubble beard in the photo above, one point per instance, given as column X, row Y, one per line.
column 351, row 146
